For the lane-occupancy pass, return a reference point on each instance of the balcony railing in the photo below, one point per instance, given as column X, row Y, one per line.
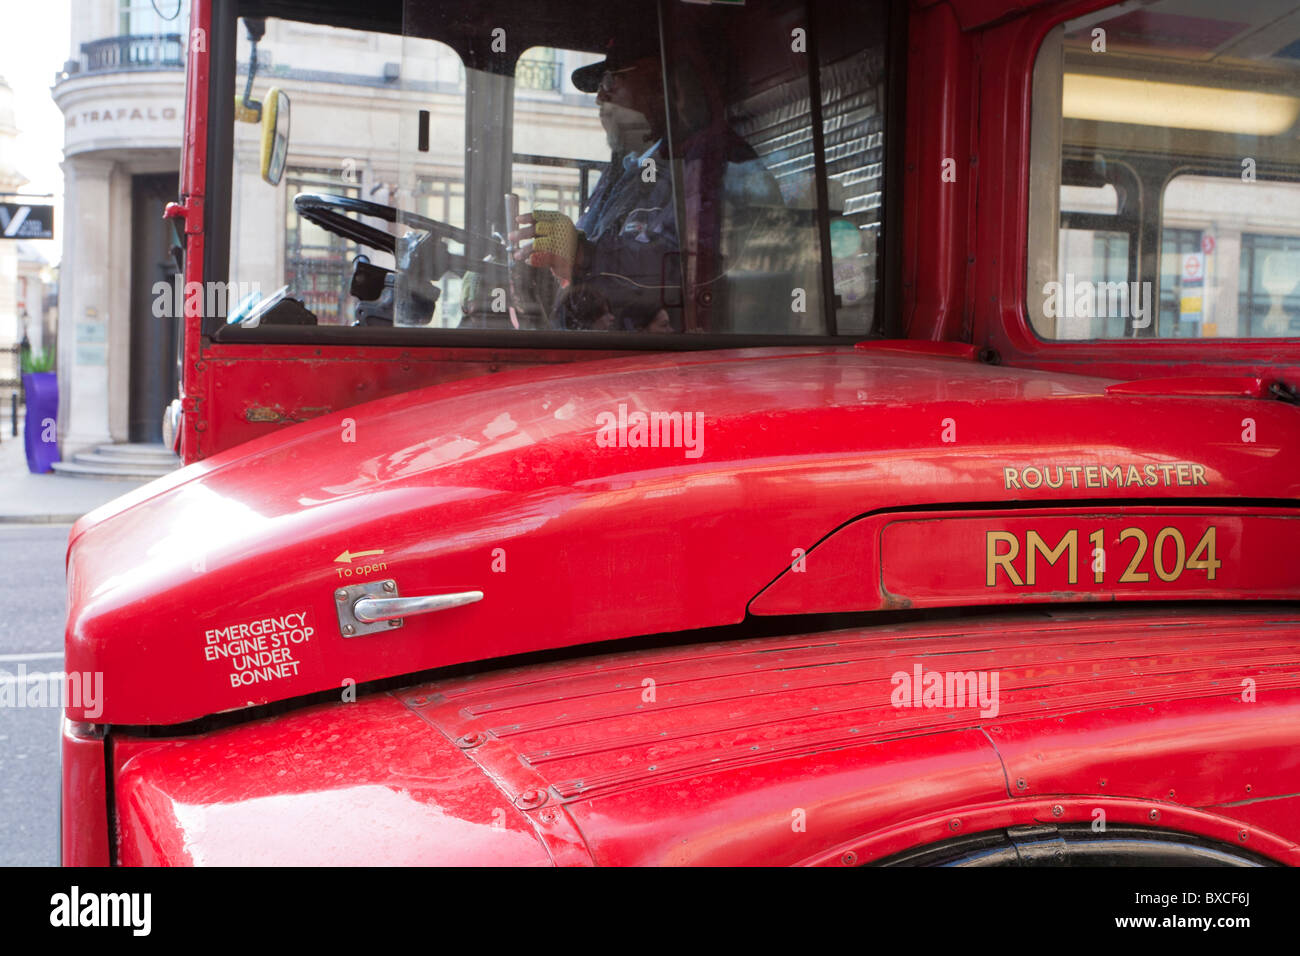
column 115, row 54
column 539, row 74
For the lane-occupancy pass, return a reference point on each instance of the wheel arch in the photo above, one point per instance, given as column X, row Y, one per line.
column 1121, row 818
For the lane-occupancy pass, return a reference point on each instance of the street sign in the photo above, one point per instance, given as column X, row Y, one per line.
column 25, row 221
column 1207, row 243
column 1193, row 268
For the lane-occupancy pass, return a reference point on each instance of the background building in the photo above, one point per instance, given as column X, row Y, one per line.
column 121, row 93
column 26, row 279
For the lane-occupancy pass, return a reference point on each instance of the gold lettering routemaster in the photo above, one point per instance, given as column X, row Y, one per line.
column 1019, row 559
column 1172, row 474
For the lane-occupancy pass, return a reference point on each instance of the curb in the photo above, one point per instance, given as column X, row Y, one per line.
column 39, row 519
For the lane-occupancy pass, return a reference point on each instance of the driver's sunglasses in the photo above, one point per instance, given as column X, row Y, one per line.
column 608, row 81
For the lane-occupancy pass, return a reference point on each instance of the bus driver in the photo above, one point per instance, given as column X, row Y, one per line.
column 624, row 245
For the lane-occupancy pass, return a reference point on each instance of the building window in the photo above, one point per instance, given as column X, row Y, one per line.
column 539, row 69
column 443, row 198
column 317, row 262
column 153, row 18
column 150, row 36
column 555, row 185
column 1268, row 297
column 1174, row 244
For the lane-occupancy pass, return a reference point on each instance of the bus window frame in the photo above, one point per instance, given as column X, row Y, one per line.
column 999, row 296
column 888, row 321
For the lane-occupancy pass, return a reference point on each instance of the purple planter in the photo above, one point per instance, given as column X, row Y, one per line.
column 42, row 391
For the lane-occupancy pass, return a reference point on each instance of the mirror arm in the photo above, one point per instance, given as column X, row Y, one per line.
column 249, row 102
column 256, row 29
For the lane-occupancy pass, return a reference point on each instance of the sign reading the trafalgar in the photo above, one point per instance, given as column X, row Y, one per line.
column 121, row 114
column 24, row 221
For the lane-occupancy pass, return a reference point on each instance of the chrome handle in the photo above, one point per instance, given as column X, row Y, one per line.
column 370, row 610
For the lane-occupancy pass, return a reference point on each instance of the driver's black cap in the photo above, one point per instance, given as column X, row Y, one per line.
column 620, row 52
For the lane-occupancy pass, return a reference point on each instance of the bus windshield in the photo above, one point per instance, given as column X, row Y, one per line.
column 630, row 169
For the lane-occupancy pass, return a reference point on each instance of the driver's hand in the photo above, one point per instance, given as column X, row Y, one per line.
column 548, row 240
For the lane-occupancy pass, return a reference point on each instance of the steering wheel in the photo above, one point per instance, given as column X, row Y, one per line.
column 421, row 260
column 330, row 213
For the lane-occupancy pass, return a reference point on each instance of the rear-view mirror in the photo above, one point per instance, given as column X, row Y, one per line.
column 275, row 135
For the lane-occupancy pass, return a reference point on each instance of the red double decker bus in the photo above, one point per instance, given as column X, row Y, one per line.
column 735, row 433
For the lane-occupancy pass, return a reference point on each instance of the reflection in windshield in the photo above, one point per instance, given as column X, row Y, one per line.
column 725, row 176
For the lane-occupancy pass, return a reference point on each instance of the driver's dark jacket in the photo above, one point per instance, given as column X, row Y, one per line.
column 631, row 228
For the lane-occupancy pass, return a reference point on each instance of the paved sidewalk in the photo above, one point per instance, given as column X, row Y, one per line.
column 50, row 498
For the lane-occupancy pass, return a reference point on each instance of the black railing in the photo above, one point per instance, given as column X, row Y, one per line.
column 11, row 384
column 11, row 366
column 537, row 74
column 114, row 54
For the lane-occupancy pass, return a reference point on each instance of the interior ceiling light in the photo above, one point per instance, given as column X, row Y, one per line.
column 1109, row 99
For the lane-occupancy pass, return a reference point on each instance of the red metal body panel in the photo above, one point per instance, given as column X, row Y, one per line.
column 364, row 782
column 1193, row 385
column 83, row 818
column 446, row 479
column 977, row 13
column 940, row 559
column 263, row 388
column 777, row 750
column 938, row 109
column 194, row 384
